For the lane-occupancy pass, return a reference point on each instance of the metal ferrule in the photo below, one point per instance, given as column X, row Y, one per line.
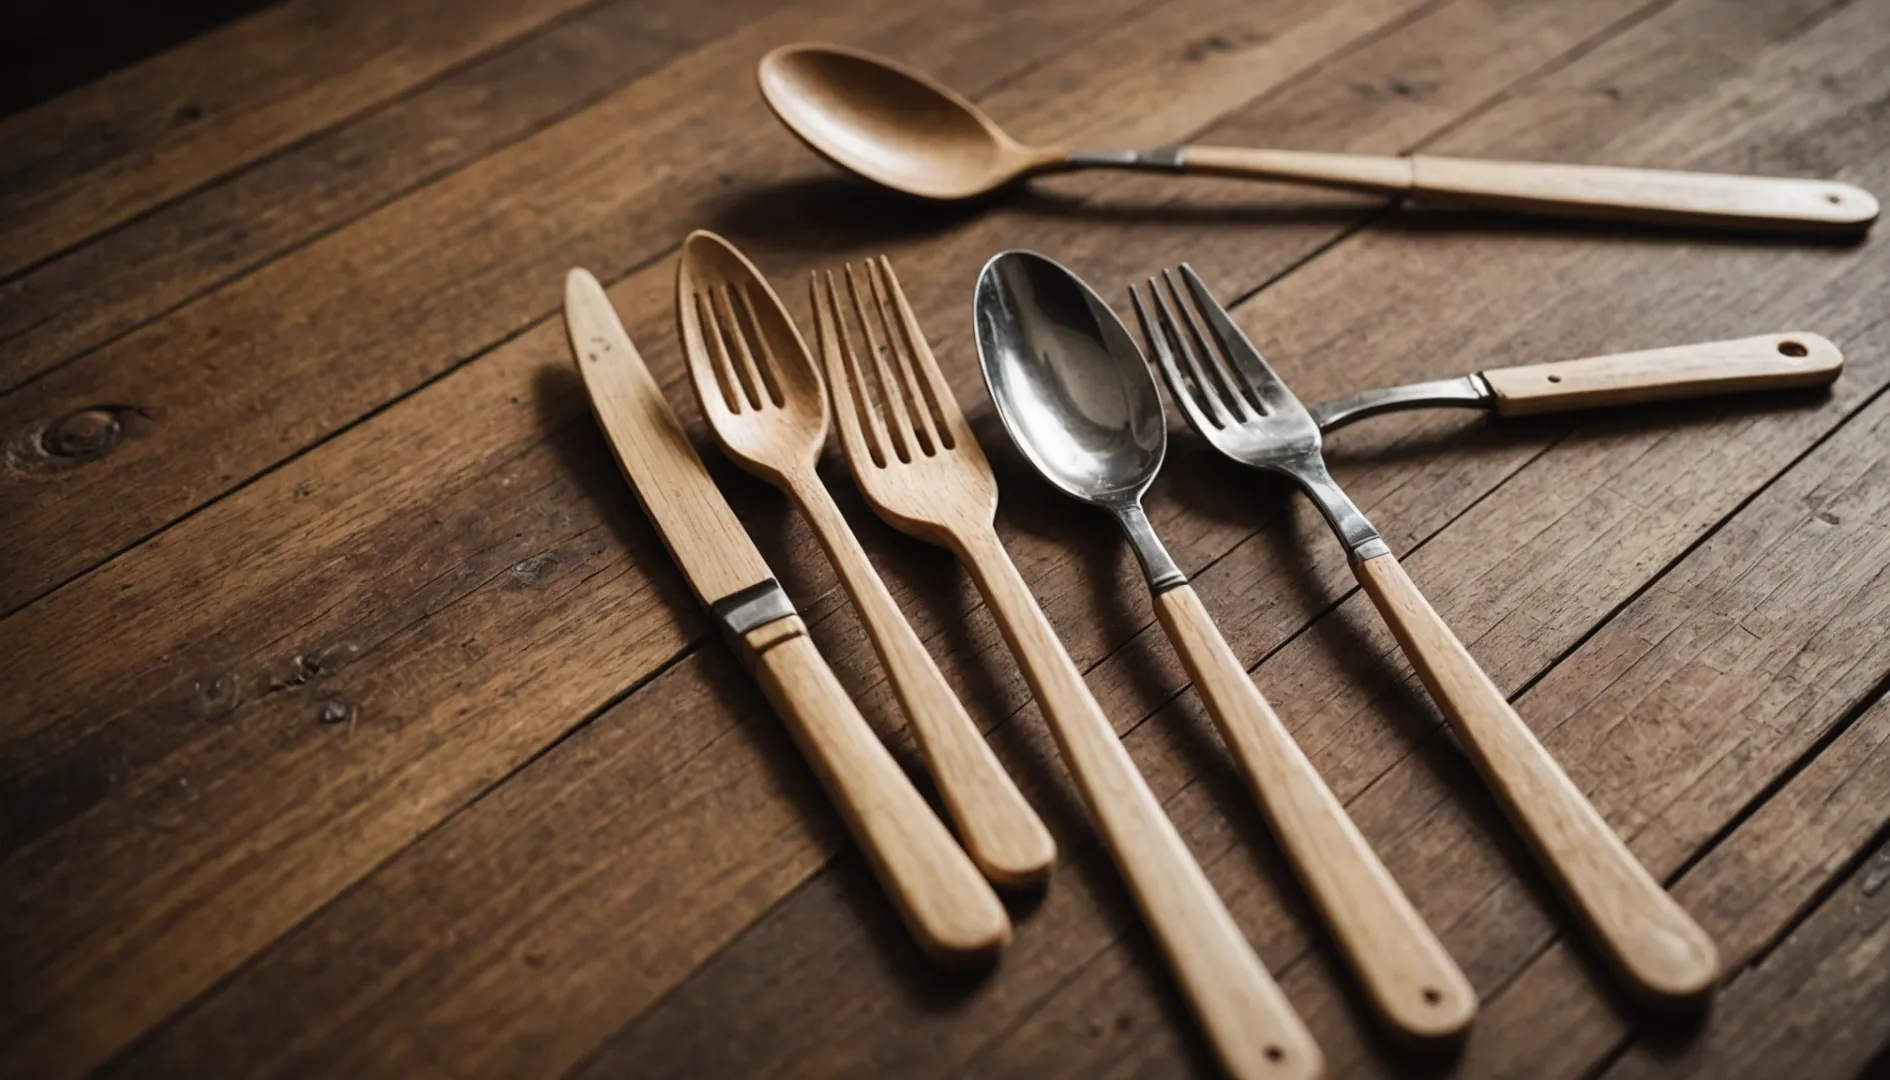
column 1162, row 572
column 1463, row 391
column 1162, row 158
column 741, row 613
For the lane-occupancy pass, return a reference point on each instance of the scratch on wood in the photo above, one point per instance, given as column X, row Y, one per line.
column 1877, row 873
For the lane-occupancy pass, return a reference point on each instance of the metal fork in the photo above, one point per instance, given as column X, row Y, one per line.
column 1236, row 401
column 920, row 468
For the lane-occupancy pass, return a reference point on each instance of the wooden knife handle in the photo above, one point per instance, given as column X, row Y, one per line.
column 946, row 904
column 1254, row 1030
column 1767, row 362
column 1653, row 942
column 1655, row 195
column 1411, row 981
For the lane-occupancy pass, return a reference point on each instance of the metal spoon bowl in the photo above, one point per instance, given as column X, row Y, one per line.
column 1073, row 391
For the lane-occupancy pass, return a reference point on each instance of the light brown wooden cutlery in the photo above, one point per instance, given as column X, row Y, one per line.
column 763, row 397
column 920, row 467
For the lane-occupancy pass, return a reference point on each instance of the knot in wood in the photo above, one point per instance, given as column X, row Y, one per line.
column 88, row 433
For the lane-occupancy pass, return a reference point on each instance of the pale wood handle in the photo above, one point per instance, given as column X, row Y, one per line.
column 1768, row 362
column 950, row 909
column 1596, row 191
column 1253, row 1028
column 1354, row 172
column 1652, row 941
column 1410, row 979
column 1658, row 195
column 1004, row 835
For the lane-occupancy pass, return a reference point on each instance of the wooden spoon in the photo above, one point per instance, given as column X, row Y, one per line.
column 898, row 127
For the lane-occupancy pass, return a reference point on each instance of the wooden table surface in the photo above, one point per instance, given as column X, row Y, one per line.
column 355, row 723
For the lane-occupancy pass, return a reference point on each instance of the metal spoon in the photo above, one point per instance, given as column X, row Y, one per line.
column 898, row 127
column 1077, row 398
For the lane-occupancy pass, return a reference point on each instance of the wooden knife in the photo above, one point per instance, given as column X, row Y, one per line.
column 946, row 904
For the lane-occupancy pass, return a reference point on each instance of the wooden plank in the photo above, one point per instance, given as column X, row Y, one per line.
column 372, row 311
column 1121, row 1019
column 110, row 150
column 94, row 779
column 128, row 276
column 1817, row 1006
column 590, row 900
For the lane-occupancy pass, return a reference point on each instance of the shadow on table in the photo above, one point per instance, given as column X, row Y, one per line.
column 842, row 213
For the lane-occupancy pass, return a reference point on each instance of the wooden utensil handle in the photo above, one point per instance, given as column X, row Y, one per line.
column 1655, row 944
column 1410, row 979
column 1657, row 195
column 1253, row 1028
column 1767, row 362
column 1004, row 835
column 947, row 906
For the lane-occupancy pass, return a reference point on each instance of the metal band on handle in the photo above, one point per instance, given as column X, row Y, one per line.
column 740, row 613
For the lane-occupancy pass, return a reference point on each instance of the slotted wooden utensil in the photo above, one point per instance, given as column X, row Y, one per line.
column 764, row 400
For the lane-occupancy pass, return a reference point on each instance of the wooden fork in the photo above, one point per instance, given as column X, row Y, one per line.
column 915, row 458
column 763, row 396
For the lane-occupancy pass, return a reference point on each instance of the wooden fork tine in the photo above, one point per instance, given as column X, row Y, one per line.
column 938, row 393
column 905, row 439
column 730, row 330
column 902, row 360
column 862, row 432
column 733, row 396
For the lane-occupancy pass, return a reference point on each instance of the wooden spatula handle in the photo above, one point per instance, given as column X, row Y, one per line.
column 946, row 904
column 1410, row 979
column 1655, row 944
column 1253, row 1028
column 1767, row 362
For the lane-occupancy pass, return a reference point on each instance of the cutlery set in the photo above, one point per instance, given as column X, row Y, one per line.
column 1079, row 397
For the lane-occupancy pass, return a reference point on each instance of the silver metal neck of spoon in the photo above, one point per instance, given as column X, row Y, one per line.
column 1161, row 570
column 1161, row 159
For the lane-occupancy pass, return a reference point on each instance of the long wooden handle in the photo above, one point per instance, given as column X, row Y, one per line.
column 1004, row 835
column 1253, row 1028
column 1657, row 195
column 1654, row 943
column 1767, row 362
column 950, row 909
column 1412, row 982
column 1596, row 191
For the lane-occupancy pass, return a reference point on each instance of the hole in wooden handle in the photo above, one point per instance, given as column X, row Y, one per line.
column 1793, row 348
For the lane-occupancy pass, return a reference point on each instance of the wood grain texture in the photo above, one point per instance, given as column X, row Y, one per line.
column 109, row 150
column 116, row 282
column 1768, row 362
column 1660, row 950
column 463, row 575
column 1413, row 984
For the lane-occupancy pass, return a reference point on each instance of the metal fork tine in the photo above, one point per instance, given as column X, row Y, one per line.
column 862, row 432
column 939, row 396
column 750, row 377
column 904, row 438
column 734, row 398
column 1198, row 405
column 1192, row 391
column 903, row 362
column 1253, row 367
column 770, row 365
column 1242, row 404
